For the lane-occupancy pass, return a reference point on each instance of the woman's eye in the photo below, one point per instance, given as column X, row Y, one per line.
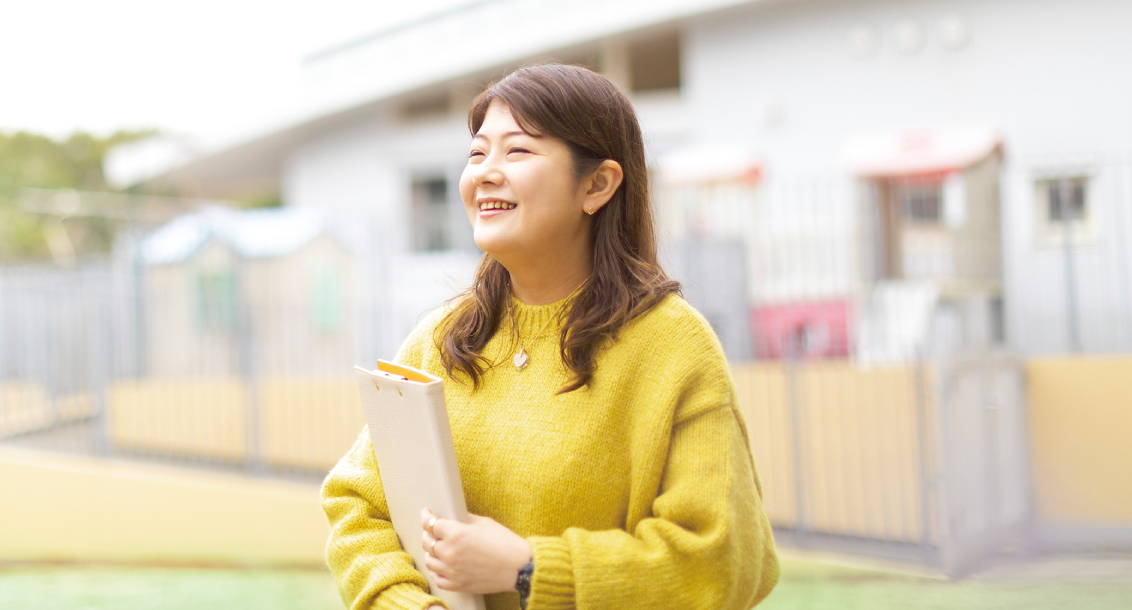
column 475, row 153
column 518, row 150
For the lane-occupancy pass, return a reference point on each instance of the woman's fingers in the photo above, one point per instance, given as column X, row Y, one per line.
column 480, row 556
column 437, row 566
column 428, row 543
column 442, row 574
column 435, row 525
column 446, row 584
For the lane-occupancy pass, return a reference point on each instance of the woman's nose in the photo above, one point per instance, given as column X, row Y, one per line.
column 487, row 172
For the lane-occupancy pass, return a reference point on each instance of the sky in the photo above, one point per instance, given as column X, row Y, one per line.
column 207, row 69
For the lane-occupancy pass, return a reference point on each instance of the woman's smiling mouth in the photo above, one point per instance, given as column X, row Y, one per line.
column 492, row 207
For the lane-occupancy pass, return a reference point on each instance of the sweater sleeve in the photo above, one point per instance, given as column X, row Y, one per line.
column 707, row 542
column 371, row 568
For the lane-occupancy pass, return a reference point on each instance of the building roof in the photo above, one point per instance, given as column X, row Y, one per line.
column 717, row 162
column 351, row 79
column 260, row 233
column 926, row 150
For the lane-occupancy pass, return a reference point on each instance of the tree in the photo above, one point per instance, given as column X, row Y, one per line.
column 29, row 160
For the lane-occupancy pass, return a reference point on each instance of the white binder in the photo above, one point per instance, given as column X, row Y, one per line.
column 408, row 424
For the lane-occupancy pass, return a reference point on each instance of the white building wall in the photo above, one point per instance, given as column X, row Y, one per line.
column 786, row 79
column 361, row 174
column 784, row 76
column 793, row 80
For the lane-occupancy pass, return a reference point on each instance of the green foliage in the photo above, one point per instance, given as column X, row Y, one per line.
column 271, row 200
column 29, row 160
column 33, row 160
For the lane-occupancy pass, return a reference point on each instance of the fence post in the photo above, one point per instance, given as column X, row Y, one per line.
column 98, row 355
column 248, row 373
column 927, row 476
column 797, row 419
column 943, row 492
column 137, row 269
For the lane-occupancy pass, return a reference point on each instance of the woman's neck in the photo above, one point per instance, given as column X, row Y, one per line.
column 546, row 283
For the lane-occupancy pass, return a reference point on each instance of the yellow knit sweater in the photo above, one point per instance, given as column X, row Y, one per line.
column 637, row 492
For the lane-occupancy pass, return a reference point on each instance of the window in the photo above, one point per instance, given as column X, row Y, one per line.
column 997, row 321
column 431, row 107
column 326, row 297
column 1065, row 199
column 431, row 225
column 654, row 63
column 1063, row 210
column 216, row 300
column 921, row 201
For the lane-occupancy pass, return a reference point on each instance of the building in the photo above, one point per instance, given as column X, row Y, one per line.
column 965, row 163
column 245, row 293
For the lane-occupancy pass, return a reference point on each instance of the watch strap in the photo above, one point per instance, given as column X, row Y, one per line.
column 523, row 582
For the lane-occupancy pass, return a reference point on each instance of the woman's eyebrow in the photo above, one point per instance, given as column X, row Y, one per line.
column 480, row 136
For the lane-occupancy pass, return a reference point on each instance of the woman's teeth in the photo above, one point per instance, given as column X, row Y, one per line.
column 497, row 205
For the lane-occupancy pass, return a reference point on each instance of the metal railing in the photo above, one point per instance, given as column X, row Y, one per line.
column 863, row 437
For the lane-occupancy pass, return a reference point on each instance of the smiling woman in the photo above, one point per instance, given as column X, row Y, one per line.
column 608, row 469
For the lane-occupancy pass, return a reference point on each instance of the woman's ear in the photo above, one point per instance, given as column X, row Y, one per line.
column 601, row 185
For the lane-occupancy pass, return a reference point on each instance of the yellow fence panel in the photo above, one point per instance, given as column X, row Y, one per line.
column 764, row 399
column 303, row 422
column 1081, row 413
column 25, row 407
column 858, row 454
column 192, row 416
column 308, row 422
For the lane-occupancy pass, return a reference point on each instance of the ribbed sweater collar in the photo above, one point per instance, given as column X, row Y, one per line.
column 529, row 319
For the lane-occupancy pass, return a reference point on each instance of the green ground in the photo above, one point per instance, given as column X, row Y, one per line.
column 806, row 584
column 97, row 588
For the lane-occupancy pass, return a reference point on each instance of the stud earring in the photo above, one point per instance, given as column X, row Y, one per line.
column 590, row 212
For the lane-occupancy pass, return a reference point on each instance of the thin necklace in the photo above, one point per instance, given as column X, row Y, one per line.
column 523, row 358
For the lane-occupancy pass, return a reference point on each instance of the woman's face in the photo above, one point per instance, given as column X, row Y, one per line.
column 520, row 192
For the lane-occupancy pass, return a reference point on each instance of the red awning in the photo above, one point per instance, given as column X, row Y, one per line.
column 710, row 164
column 911, row 152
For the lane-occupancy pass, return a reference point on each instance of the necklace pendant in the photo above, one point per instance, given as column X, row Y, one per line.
column 521, row 360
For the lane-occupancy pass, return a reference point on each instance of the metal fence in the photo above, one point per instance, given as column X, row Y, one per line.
column 875, row 421
column 921, row 460
column 190, row 371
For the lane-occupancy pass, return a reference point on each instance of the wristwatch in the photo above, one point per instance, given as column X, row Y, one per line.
column 523, row 583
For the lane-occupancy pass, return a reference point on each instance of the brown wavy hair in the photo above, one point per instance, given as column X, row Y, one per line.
column 596, row 121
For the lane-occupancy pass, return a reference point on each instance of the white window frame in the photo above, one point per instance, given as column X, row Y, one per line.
column 439, row 218
column 1049, row 233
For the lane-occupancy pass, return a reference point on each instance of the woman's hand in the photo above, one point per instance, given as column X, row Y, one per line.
column 480, row 556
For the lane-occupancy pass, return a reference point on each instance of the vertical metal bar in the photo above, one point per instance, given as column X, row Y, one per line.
column 946, row 495
column 801, row 524
column 1064, row 192
column 882, row 401
column 49, row 310
column 845, row 377
column 923, row 438
column 247, row 364
column 991, row 466
column 138, row 268
column 97, row 359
